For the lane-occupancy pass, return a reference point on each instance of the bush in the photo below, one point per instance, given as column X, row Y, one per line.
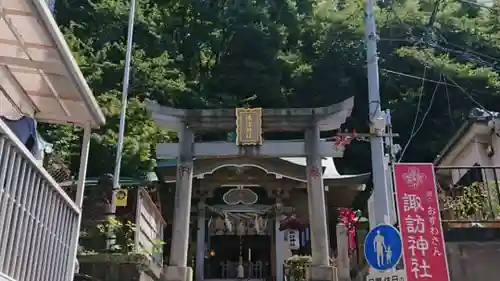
column 296, row 267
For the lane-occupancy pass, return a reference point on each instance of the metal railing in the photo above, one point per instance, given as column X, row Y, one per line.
column 469, row 193
column 37, row 218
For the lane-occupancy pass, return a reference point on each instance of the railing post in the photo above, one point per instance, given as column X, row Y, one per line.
column 82, row 174
column 497, row 189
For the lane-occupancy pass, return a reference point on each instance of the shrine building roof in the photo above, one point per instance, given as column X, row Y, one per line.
column 292, row 168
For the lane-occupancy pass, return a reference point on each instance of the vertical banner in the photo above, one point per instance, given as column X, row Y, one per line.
column 420, row 223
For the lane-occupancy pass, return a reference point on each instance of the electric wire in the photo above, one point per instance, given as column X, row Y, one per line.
column 467, row 94
column 431, row 102
column 475, row 57
column 464, row 53
column 416, row 77
column 419, row 102
column 476, row 102
column 467, row 52
column 450, row 114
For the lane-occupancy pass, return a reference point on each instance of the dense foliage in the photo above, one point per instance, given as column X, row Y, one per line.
column 277, row 53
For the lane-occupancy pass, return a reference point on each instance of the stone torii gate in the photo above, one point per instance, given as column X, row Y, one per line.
column 249, row 124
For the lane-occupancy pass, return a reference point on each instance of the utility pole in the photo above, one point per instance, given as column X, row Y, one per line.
column 377, row 120
column 123, row 113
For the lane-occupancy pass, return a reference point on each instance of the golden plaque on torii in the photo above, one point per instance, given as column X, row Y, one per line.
column 249, row 126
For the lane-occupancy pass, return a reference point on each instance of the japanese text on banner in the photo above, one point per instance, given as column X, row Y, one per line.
column 418, row 212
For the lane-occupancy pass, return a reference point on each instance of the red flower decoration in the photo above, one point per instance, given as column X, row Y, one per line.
column 314, row 172
column 349, row 218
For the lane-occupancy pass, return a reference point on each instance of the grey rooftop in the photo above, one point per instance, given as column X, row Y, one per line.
column 273, row 120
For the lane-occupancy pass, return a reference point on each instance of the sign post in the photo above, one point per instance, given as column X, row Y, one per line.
column 424, row 251
column 383, row 247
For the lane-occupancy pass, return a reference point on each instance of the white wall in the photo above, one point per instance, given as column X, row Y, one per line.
column 469, row 156
column 472, row 149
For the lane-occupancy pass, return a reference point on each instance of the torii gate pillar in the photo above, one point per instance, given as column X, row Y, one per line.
column 178, row 269
column 320, row 270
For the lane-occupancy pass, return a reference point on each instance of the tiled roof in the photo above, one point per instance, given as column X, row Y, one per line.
column 479, row 114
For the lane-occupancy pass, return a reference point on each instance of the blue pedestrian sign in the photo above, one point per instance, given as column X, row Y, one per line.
column 383, row 247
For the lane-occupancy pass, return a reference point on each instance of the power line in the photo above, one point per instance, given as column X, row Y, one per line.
column 467, row 94
column 455, row 84
column 477, row 103
column 413, row 127
column 449, row 105
column 431, row 102
column 470, row 56
column 416, row 77
column 466, row 53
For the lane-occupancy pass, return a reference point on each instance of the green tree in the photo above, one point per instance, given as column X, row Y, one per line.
column 283, row 53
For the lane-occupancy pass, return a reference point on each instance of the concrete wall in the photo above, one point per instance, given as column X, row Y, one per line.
column 474, row 261
column 472, row 149
column 475, row 153
column 113, row 267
